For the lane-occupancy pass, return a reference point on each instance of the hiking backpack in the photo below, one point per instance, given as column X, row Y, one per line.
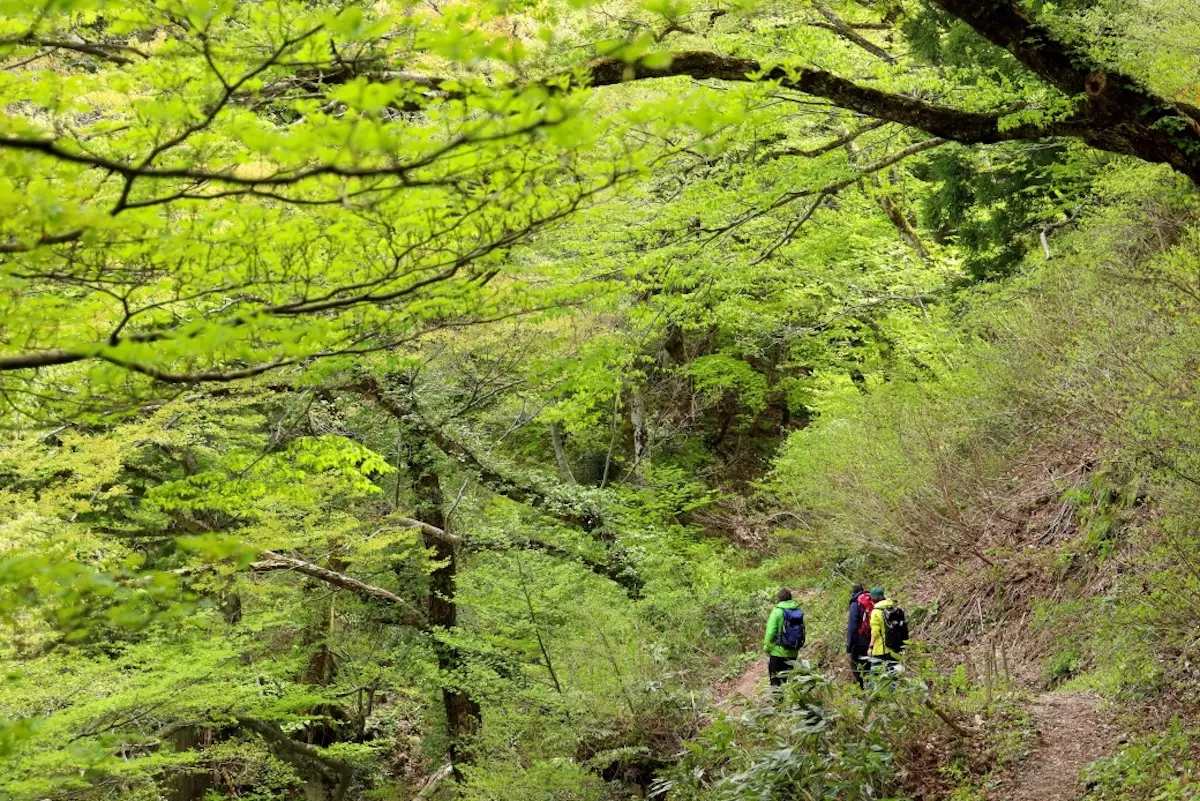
column 895, row 629
column 865, row 604
column 791, row 630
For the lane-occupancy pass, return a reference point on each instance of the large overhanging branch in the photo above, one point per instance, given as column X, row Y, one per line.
column 1135, row 125
column 968, row 127
column 1122, row 115
column 1125, row 115
column 943, row 121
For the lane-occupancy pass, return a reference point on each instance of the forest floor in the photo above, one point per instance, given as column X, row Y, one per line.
column 1071, row 732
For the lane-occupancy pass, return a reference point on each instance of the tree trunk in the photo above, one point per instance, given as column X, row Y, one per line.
column 641, row 434
column 188, row 785
column 462, row 711
column 560, row 454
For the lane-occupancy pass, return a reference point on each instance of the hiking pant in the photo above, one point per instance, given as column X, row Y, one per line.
column 777, row 668
column 883, row 668
column 859, row 665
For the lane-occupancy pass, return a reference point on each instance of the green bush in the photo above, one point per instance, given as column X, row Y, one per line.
column 1160, row 767
column 817, row 738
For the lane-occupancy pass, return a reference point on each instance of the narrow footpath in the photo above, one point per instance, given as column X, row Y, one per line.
column 1071, row 732
column 746, row 686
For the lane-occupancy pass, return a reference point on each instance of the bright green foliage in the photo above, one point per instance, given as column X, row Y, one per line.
column 259, row 225
column 719, row 373
column 425, row 400
column 137, row 654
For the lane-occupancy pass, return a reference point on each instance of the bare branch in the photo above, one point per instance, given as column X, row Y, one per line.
column 101, row 50
column 273, row 561
column 821, row 193
column 404, row 170
column 851, row 35
column 830, row 146
column 792, row 229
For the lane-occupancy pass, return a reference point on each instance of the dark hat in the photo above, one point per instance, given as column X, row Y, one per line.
column 877, row 593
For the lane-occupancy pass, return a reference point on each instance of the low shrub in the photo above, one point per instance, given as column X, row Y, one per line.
column 1160, row 767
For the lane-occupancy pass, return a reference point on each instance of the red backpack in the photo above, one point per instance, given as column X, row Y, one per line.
column 866, row 605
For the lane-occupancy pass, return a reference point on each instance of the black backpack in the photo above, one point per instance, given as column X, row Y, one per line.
column 791, row 630
column 895, row 629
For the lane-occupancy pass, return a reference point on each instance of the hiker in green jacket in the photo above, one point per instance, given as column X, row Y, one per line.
column 784, row 637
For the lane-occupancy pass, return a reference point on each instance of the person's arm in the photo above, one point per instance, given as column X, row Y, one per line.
column 772, row 628
column 852, row 625
column 876, row 628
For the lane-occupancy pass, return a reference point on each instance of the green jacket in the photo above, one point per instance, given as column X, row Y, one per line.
column 774, row 623
column 877, row 645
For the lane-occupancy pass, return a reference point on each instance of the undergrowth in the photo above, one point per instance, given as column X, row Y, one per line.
column 821, row 738
column 1158, row 767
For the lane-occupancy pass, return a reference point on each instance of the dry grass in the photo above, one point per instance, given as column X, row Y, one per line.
column 985, row 595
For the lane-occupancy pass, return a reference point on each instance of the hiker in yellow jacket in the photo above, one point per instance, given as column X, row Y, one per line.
column 878, row 649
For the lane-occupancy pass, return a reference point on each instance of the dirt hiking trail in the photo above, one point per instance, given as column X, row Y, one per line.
column 1071, row 732
column 745, row 686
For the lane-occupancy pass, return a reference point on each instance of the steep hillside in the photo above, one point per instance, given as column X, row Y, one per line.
column 1031, row 506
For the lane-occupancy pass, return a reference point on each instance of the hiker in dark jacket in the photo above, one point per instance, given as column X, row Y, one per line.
column 858, row 635
column 780, row 655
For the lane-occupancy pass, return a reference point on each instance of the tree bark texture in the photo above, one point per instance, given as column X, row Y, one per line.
column 558, row 442
column 462, row 711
